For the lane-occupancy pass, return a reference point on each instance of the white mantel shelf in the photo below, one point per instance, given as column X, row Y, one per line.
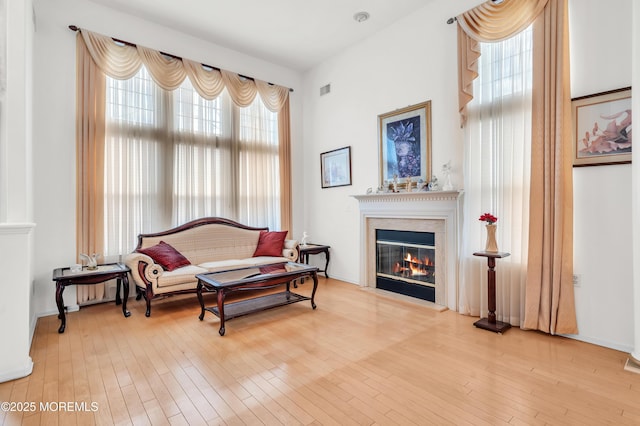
column 409, row 196
column 410, row 211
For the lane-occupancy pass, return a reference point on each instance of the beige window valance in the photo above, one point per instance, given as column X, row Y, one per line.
column 488, row 22
column 98, row 56
column 122, row 61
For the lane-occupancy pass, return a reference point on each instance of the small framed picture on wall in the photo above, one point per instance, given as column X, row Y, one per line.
column 335, row 167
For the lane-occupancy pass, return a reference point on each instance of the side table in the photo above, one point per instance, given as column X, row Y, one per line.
column 490, row 322
column 65, row 277
column 309, row 249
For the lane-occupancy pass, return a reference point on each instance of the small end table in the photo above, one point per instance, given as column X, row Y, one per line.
column 64, row 277
column 309, row 249
column 490, row 322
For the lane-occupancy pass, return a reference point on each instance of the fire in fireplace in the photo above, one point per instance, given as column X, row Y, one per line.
column 405, row 263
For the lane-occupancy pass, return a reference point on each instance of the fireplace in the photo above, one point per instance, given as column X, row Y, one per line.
column 432, row 213
column 406, row 263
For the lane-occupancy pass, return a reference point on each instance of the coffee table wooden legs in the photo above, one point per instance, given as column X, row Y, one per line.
column 315, row 287
column 200, row 299
column 251, row 305
column 221, row 310
column 220, row 297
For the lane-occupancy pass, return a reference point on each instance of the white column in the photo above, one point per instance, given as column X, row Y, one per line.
column 16, row 288
column 16, row 192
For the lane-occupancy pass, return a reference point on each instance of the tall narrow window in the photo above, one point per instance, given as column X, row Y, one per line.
column 497, row 173
column 172, row 156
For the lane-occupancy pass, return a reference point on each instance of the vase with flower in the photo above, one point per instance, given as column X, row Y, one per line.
column 492, row 244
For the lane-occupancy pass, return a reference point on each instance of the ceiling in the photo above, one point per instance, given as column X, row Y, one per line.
column 297, row 34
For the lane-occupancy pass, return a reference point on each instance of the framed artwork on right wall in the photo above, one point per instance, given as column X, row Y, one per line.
column 602, row 128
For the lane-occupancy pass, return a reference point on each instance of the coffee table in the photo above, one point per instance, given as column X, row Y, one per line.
column 254, row 278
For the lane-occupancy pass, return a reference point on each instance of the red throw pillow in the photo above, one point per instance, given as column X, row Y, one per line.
column 166, row 256
column 270, row 243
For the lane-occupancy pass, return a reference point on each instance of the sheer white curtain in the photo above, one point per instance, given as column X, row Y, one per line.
column 202, row 156
column 259, row 166
column 497, row 176
column 160, row 142
column 173, row 156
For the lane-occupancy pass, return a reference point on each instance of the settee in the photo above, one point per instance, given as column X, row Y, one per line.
column 167, row 262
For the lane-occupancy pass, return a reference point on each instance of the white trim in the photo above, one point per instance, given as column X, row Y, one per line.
column 19, row 373
column 599, row 342
column 442, row 206
column 16, row 228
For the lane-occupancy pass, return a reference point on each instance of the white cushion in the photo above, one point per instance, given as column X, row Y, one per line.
column 186, row 274
column 223, row 265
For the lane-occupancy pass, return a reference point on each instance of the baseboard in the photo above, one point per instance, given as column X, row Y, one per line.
column 338, row 278
column 32, row 328
column 599, row 342
column 72, row 308
column 19, row 373
column 632, row 365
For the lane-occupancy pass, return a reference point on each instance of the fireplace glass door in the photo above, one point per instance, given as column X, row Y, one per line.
column 406, row 263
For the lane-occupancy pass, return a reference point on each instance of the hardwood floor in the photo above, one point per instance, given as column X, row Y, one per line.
column 360, row 358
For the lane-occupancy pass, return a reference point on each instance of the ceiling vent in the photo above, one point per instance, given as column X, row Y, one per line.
column 325, row 89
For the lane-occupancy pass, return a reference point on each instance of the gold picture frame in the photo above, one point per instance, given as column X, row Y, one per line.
column 405, row 144
column 602, row 128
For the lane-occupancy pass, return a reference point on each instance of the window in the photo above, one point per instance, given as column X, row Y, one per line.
column 171, row 157
column 497, row 170
column 500, row 121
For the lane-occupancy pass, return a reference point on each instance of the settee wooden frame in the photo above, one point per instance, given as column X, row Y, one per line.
column 147, row 293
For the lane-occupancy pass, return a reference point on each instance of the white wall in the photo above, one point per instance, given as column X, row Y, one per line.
column 54, row 111
column 636, row 183
column 415, row 60
column 412, row 61
column 601, row 46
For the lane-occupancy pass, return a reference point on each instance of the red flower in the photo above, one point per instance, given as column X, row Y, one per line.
column 489, row 218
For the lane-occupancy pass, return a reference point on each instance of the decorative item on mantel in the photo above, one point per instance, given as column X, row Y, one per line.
column 409, row 183
column 446, row 171
column 492, row 244
column 433, row 184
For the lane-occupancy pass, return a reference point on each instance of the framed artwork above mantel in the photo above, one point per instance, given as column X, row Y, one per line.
column 405, row 144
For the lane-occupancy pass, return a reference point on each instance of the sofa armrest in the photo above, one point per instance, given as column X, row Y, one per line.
column 143, row 269
column 290, row 250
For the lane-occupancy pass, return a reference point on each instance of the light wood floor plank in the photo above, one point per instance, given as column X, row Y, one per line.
column 359, row 358
column 154, row 413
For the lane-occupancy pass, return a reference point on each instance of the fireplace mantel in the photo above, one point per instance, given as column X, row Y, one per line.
column 416, row 196
column 440, row 210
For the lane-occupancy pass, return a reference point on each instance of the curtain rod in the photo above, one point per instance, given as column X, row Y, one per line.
column 76, row 28
column 454, row 19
